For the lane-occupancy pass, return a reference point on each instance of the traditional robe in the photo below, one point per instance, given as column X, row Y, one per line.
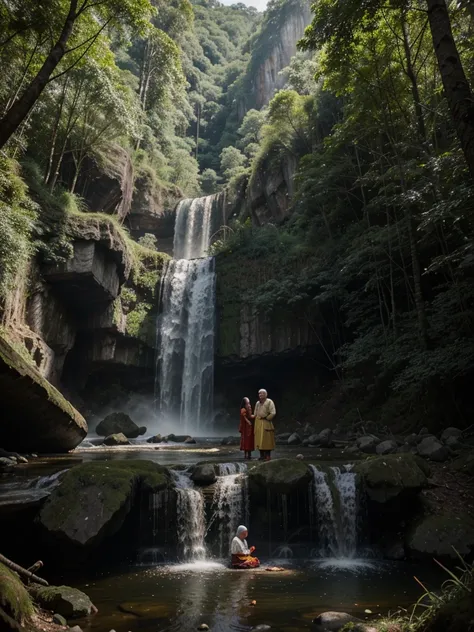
column 246, row 433
column 264, row 429
column 240, row 553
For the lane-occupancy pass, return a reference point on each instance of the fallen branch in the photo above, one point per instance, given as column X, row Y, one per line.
column 22, row 571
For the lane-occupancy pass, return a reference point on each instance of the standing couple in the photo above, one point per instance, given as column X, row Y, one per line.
column 257, row 429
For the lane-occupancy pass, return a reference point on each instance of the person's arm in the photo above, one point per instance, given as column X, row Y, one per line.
column 272, row 410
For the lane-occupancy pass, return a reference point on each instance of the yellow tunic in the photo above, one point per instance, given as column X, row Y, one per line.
column 264, row 430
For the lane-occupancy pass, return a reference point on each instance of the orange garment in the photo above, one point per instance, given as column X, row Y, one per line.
column 239, row 560
column 247, row 442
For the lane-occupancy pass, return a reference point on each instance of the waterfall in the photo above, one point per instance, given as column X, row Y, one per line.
column 230, row 503
column 190, row 518
column 333, row 504
column 185, row 365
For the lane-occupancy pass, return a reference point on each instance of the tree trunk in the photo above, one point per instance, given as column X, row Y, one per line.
column 410, row 71
column 456, row 86
column 20, row 109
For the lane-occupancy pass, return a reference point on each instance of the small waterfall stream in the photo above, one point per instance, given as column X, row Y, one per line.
column 230, row 503
column 191, row 518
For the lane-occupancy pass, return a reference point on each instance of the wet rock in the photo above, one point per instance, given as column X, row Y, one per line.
column 451, row 432
column 334, row 621
column 280, row 475
column 294, row 439
column 116, row 439
column 387, row 447
column 116, row 423
column 64, row 600
column 93, row 500
column 6, row 464
column 177, row 438
column 204, row 474
column 389, row 476
column 436, row 535
column 432, row 449
column 141, row 431
column 190, row 440
column 368, row 444
column 155, row 439
column 58, row 619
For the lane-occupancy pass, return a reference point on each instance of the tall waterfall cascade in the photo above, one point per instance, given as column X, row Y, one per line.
column 185, row 364
column 334, row 509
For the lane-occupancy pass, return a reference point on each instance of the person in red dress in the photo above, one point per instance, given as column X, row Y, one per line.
column 246, row 428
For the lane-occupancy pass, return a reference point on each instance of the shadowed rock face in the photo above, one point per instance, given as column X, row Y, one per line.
column 35, row 416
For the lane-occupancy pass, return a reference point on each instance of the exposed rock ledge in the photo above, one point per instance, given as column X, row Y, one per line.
column 35, row 416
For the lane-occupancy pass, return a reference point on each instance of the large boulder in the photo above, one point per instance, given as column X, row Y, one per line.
column 204, row 474
column 155, row 439
column 281, row 475
column 334, row 621
column 294, row 439
column 116, row 439
column 387, row 447
column 68, row 602
column 35, row 416
column 435, row 535
column 389, row 476
column 451, row 432
column 432, row 449
column 116, row 423
column 93, row 500
column 16, row 606
column 368, row 444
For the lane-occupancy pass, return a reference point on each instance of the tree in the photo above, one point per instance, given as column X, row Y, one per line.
column 209, row 180
column 232, row 160
column 76, row 27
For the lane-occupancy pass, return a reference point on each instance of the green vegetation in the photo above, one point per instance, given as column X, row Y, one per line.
column 16, row 606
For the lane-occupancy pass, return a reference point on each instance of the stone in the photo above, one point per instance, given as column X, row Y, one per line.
column 453, row 442
column 411, row 439
column 294, row 439
column 352, row 449
column 407, row 449
column 305, row 441
column 280, row 475
column 7, row 464
column 424, row 431
column 308, row 430
column 368, row 444
column 436, row 535
column 313, row 439
column 325, row 438
column 387, row 447
column 58, row 619
column 432, row 449
column 451, row 432
column 393, row 475
column 283, row 437
column 190, row 440
column 141, row 430
column 116, row 439
column 93, row 500
column 35, row 416
column 334, row 621
column 300, row 457
column 64, row 600
column 204, row 474
column 118, row 423
column 178, row 438
column 14, row 599
column 426, row 436
column 203, row 626
column 155, row 439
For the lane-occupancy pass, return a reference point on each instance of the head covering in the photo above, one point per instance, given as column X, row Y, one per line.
column 262, row 390
column 241, row 529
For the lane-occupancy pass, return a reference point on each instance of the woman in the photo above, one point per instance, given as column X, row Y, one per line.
column 246, row 428
column 240, row 552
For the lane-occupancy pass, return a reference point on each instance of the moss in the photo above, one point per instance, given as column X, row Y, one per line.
column 64, row 600
column 15, row 602
column 280, row 475
column 387, row 476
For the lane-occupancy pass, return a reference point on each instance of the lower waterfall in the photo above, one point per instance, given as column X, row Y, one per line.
column 230, row 503
column 191, row 519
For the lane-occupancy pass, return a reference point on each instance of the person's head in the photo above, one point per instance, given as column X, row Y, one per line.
column 245, row 403
column 262, row 394
column 242, row 532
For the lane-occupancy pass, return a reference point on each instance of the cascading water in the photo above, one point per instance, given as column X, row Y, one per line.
column 334, row 507
column 230, row 503
column 185, row 370
column 191, row 518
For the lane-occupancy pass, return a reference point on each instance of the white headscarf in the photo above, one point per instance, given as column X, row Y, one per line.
column 262, row 390
column 241, row 529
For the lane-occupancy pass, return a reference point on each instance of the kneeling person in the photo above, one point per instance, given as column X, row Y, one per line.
column 241, row 554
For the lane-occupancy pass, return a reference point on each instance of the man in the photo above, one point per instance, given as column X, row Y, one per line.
column 264, row 412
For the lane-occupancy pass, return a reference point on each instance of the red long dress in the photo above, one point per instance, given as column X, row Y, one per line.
column 246, row 433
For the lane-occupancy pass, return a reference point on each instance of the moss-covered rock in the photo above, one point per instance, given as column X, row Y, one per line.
column 66, row 601
column 386, row 477
column 281, row 476
column 35, row 416
column 94, row 498
column 118, row 422
column 16, row 606
column 436, row 535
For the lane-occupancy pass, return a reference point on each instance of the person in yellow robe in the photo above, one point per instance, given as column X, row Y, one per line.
column 264, row 430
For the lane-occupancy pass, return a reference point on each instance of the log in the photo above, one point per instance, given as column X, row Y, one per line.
column 22, row 571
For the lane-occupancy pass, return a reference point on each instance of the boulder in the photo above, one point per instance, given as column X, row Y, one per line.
column 313, row 439
column 368, row 444
column 308, row 430
column 35, row 416
column 451, row 432
column 334, row 621
column 16, row 606
column 116, row 439
column 436, row 535
column 142, row 430
column 93, row 500
column 411, row 439
column 280, row 475
column 325, row 438
column 424, row 431
column 155, row 439
column 352, row 449
column 389, row 476
column 118, row 423
column 294, row 439
column 305, row 441
column 68, row 602
column 177, row 438
column 453, row 442
column 7, row 464
column 426, row 436
column 204, row 474
column 190, row 440
column 387, row 447
column 432, row 449
column 407, row 449
column 283, row 436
